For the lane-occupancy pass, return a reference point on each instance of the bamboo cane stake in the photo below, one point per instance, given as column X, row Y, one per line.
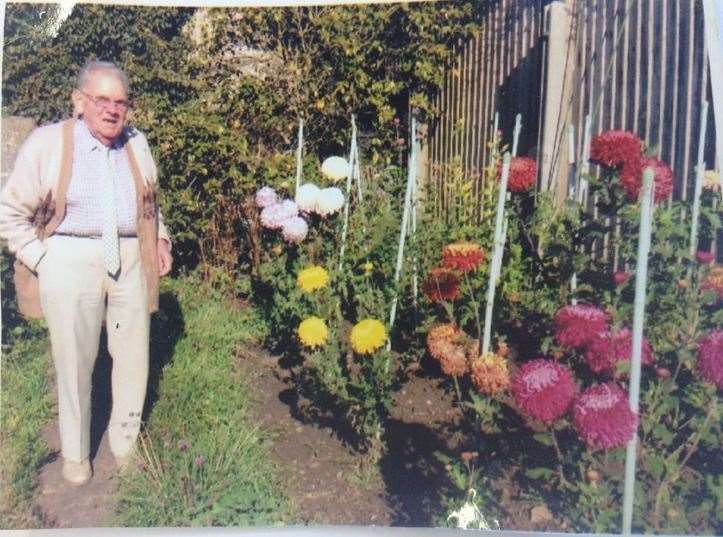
column 499, row 245
column 641, row 276
column 699, row 172
column 299, row 150
column 411, row 176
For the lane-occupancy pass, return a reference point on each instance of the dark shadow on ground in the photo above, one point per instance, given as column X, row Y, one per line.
column 415, row 479
column 167, row 326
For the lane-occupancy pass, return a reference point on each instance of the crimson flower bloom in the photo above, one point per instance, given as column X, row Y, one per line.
column 441, row 284
column 631, row 178
column 710, row 358
column 522, row 176
column 613, row 149
column 576, row 326
column 543, row 390
column 602, row 417
column 609, row 348
column 463, row 256
column 620, row 277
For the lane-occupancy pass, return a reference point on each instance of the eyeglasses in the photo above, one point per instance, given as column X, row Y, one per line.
column 104, row 103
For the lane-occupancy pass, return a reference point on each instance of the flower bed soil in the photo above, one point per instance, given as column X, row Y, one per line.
column 330, row 483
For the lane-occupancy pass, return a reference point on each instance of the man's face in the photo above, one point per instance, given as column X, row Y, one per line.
column 103, row 103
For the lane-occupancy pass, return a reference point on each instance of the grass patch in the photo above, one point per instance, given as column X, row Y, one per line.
column 203, row 462
column 26, row 407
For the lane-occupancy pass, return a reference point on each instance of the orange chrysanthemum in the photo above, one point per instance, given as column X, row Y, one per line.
column 463, row 256
column 490, row 374
column 714, row 280
column 441, row 284
column 451, row 347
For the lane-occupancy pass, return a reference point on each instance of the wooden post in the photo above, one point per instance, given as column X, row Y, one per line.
column 557, row 92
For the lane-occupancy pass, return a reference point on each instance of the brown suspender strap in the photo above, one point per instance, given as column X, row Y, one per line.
column 66, row 170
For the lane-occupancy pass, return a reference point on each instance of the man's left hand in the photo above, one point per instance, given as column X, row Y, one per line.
column 165, row 259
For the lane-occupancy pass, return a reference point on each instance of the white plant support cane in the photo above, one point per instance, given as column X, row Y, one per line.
column 411, row 179
column 299, row 155
column 572, row 179
column 347, row 201
column 641, row 276
column 699, row 172
column 496, row 264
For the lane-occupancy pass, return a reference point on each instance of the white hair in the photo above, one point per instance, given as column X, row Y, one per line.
column 93, row 66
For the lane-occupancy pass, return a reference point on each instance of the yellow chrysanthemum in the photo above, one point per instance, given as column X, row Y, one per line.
column 368, row 268
column 313, row 332
column 367, row 336
column 313, row 278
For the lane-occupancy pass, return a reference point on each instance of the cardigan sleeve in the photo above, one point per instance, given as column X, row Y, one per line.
column 19, row 201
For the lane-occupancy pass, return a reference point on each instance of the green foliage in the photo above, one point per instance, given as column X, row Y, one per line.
column 221, row 117
column 204, row 403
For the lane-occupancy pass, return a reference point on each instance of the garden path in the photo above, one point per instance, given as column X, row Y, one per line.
column 61, row 505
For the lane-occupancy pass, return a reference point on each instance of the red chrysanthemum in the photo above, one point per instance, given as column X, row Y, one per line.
column 620, row 277
column 714, row 281
column 710, row 358
column 522, row 176
column 543, row 390
column 462, row 256
column 577, row 325
column 608, row 348
column 615, row 148
column 441, row 284
column 602, row 417
column 631, row 178
column 703, row 257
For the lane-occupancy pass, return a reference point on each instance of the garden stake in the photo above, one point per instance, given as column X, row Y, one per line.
column 298, row 156
column 699, row 172
column 497, row 252
column 355, row 167
column 515, row 138
column 584, row 162
column 641, row 275
column 347, row 202
column 571, row 196
column 411, row 175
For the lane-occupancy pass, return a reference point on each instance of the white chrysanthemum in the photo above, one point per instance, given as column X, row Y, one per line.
column 335, row 168
column 329, row 201
column 306, row 197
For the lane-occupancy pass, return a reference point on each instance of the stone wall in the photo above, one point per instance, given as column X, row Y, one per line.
column 13, row 131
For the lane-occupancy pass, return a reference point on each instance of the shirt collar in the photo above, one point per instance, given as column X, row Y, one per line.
column 86, row 142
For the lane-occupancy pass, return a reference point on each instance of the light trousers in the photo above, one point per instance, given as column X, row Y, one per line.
column 76, row 294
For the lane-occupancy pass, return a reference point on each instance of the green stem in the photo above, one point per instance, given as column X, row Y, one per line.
column 475, row 303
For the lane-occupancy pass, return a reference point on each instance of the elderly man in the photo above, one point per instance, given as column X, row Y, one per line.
column 79, row 214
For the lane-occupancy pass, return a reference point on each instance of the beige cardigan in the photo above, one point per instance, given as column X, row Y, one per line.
column 32, row 205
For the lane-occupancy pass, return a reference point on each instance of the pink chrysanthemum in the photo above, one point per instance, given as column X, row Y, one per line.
column 615, row 148
column 294, row 229
column 608, row 348
column 631, row 178
column 710, row 358
column 265, row 197
column 602, row 417
column 577, row 325
column 522, row 176
column 273, row 216
column 703, row 257
column 543, row 390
